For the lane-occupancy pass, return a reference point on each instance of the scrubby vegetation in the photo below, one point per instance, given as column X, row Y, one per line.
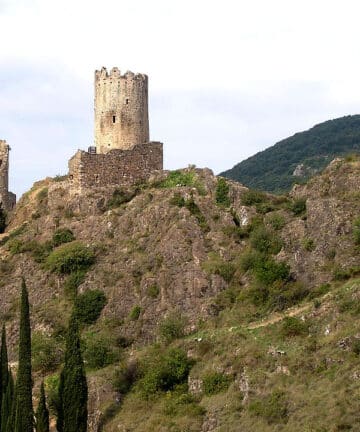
column 88, row 306
column 69, row 258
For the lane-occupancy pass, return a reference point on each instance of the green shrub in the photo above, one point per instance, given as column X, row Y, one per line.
column 88, row 306
column 319, row 291
column 72, row 283
column 292, row 326
column 298, row 206
column 62, row 235
column 46, row 353
column 252, row 197
column 40, row 251
column 164, row 372
column 98, row 353
column 153, row 291
column 70, row 257
column 222, row 193
column 180, row 402
column 283, row 295
column 341, row 274
column 195, row 211
column 125, row 376
column 356, row 231
column 349, row 305
column 265, row 241
column 15, row 246
column 276, row 221
column 272, row 408
column 119, row 197
column 215, row 382
column 178, row 200
column 172, row 327
column 236, row 232
column 268, row 271
column 179, row 178
column 135, row 313
column 308, row 244
column 215, row 265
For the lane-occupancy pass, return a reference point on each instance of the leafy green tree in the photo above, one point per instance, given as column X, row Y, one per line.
column 42, row 413
column 73, row 392
column 8, row 407
column 24, row 417
column 4, row 367
column 2, row 219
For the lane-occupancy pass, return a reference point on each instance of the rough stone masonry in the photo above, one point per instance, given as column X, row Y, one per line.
column 122, row 154
column 7, row 199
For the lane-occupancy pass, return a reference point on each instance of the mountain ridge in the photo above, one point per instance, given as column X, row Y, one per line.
column 304, row 153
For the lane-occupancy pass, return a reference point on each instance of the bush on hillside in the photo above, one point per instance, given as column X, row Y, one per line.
column 252, row 197
column 164, row 372
column 62, row 235
column 292, row 326
column 98, row 353
column 222, row 193
column 88, row 306
column 72, row 283
column 298, row 206
column 265, row 241
column 215, row 382
column 172, row 327
column 70, row 257
column 119, row 197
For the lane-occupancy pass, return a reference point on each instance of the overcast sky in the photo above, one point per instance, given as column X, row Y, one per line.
column 227, row 78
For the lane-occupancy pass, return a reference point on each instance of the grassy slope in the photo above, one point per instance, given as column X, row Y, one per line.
column 272, row 169
column 319, row 379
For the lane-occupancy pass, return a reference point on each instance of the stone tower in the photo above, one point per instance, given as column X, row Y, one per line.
column 121, row 110
column 7, row 199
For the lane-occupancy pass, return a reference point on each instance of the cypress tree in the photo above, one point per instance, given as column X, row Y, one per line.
column 8, row 406
column 42, row 413
column 24, row 417
column 4, row 369
column 73, row 394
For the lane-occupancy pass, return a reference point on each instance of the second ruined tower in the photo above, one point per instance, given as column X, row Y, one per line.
column 121, row 110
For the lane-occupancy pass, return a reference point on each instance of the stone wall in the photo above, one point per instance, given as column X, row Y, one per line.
column 117, row 167
column 121, row 110
column 7, row 199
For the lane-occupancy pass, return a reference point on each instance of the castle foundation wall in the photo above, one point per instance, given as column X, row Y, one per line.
column 117, row 167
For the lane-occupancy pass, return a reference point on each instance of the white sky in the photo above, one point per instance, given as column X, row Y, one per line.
column 227, row 78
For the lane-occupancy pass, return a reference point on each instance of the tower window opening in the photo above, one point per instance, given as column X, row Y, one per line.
column 127, row 101
column 114, row 119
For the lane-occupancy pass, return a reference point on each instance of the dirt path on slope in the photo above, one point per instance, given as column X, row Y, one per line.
column 279, row 317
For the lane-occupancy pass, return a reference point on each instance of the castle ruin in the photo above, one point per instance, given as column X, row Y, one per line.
column 7, row 199
column 123, row 153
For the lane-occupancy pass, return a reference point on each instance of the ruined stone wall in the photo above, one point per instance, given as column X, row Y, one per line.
column 117, row 167
column 121, row 110
column 7, row 199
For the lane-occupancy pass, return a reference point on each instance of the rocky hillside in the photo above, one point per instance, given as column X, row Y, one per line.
column 205, row 306
column 299, row 157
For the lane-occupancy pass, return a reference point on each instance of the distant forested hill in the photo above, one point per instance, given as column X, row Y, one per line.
column 299, row 157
